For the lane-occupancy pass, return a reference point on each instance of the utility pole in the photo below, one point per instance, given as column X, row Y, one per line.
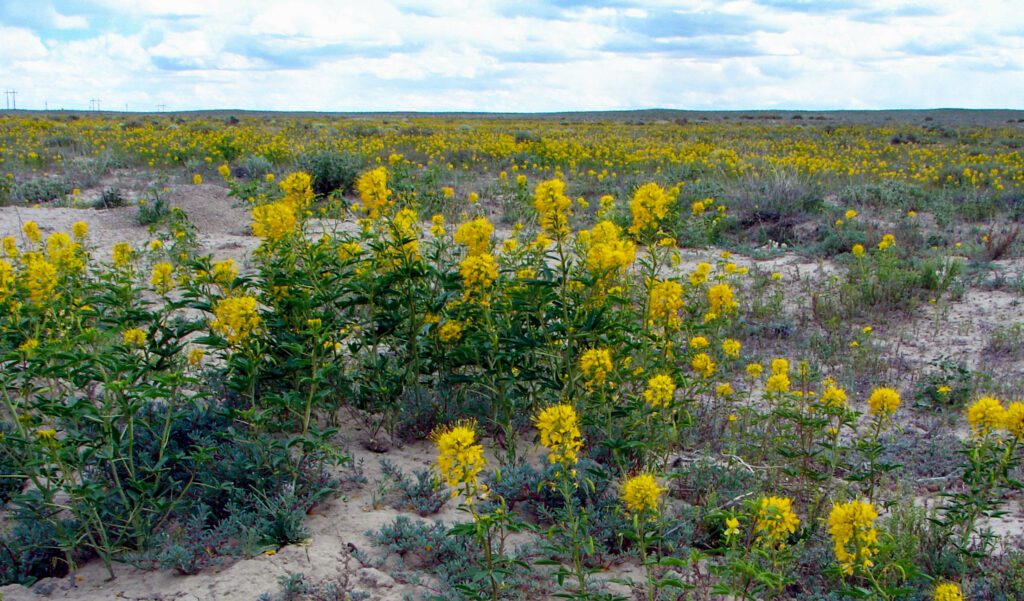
column 160, row 107
column 14, row 99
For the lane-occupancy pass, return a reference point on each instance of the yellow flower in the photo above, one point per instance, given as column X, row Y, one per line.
column 985, row 415
column 448, row 192
column 133, row 337
column 162, row 278
column 607, row 254
column 10, row 247
column 596, row 364
column 732, row 527
column 780, row 366
column 700, row 274
column 122, row 254
column 850, row 214
column 944, row 390
column 720, row 299
column 697, row 207
column 478, row 274
column 40, row 278
column 437, row 226
column 947, row 591
column 833, row 397
column 553, row 205
column 225, row 272
column 641, row 493
column 703, row 365
column 724, row 390
column 450, row 331
column 224, row 170
column 197, row 179
column 195, row 356
column 775, row 520
column 269, row 178
column 559, row 430
column 459, row 458
column 777, row 383
column 474, row 198
column 857, row 250
column 1013, row 419
column 666, row 300
column 156, row 244
column 731, row 348
column 80, row 229
column 648, row 207
column 235, row 318
column 776, row 276
column 29, row 346
column 475, row 235
column 298, row 190
column 64, row 253
column 884, row 401
column 46, row 435
column 754, row 370
column 660, row 391
column 373, row 191
column 699, row 342
column 31, row 231
column 273, row 221
column 887, row 241
column 855, row 540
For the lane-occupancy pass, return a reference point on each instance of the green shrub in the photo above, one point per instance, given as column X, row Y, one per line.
column 332, row 171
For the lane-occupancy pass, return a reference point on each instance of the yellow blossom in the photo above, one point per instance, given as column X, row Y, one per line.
column 641, row 493
column 373, row 191
column 883, row 401
column 648, row 207
column 31, row 231
column 985, row 415
column 475, row 235
column 559, row 431
column 449, row 332
column 660, row 391
column 162, row 278
column 459, row 458
column 666, row 300
column 596, row 364
column 775, row 521
column 731, row 347
column 947, row 591
column 855, row 540
column 703, row 364
column 273, row 221
column 235, row 318
column 133, row 337
column 552, row 205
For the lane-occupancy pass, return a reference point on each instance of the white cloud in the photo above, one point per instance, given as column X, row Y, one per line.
column 518, row 56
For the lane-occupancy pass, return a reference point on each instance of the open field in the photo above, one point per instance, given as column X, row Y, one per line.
column 650, row 355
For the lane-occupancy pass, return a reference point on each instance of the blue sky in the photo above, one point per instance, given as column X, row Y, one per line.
column 507, row 55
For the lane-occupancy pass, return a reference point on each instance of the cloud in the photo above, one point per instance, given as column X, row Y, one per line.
column 512, row 55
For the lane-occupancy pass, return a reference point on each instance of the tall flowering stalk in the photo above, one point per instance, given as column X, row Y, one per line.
column 559, row 430
column 641, row 496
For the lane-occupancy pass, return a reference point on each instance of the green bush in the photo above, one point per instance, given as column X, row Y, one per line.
column 332, row 171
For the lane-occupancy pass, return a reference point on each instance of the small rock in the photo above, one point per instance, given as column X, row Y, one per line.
column 374, row 579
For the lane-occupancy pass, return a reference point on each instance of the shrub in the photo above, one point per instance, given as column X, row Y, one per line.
column 332, row 171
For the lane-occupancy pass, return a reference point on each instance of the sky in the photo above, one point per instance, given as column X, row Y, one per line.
column 511, row 56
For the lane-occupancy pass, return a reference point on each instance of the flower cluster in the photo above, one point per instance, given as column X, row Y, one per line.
column 648, row 207
column 855, row 540
column 660, row 391
column 596, row 364
column 666, row 300
column 553, row 206
column 273, row 221
column 559, row 430
column 775, row 521
column 884, row 401
column 641, row 493
column 475, row 235
column 373, row 192
column 459, row 458
column 236, row 318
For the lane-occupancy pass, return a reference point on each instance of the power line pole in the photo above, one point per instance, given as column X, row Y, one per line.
column 160, row 107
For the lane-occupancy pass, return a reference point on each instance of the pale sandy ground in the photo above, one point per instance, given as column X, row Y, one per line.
column 957, row 329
